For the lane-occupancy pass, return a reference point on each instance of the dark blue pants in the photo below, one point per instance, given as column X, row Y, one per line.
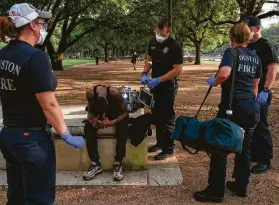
column 30, row 166
column 261, row 146
column 246, row 114
column 164, row 116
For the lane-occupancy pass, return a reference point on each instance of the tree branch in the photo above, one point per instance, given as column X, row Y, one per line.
column 222, row 22
column 268, row 14
column 80, row 36
column 218, row 46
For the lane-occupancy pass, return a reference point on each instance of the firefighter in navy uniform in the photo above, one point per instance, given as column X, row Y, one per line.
column 262, row 147
column 27, row 91
column 246, row 113
column 165, row 58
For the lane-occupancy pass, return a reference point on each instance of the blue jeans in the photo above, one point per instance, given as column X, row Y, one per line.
column 30, row 166
column 246, row 114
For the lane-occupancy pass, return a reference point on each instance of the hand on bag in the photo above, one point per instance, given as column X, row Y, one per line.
column 153, row 83
column 144, row 79
column 211, row 81
column 75, row 141
column 262, row 98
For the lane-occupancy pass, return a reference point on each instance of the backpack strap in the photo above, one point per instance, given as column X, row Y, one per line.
column 235, row 53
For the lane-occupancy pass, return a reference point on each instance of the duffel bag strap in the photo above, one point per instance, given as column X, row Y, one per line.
column 189, row 151
column 182, row 144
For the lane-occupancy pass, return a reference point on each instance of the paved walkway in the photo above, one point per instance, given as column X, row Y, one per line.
column 164, row 173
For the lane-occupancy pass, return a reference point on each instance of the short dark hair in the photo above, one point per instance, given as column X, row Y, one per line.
column 99, row 106
column 164, row 22
column 253, row 21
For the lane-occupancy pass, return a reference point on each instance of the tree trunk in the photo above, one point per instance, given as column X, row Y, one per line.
column 198, row 53
column 53, row 57
column 106, row 53
column 58, row 62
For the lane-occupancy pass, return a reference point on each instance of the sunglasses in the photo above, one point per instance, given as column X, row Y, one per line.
column 43, row 23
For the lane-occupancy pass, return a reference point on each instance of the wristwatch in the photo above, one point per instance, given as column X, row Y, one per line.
column 266, row 90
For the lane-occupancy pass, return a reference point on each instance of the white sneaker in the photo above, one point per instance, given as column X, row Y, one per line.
column 93, row 170
column 118, row 170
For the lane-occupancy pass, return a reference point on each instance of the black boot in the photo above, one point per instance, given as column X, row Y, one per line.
column 163, row 155
column 207, row 196
column 154, row 148
column 260, row 168
column 235, row 188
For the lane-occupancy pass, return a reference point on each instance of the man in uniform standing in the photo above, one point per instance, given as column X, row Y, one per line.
column 261, row 147
column 165, row 58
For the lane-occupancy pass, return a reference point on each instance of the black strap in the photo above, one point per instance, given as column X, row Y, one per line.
column 181, row 141
column 234, row 68
column 235, row 53
column 189, row 151
column 108, row 94
column 95, row 91
column 208, row 91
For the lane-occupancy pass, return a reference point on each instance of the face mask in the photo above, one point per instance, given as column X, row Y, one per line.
column 160, row 38
column 43, row 35
column 252, row 35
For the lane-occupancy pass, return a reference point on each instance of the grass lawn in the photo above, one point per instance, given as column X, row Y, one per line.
column 71, row 62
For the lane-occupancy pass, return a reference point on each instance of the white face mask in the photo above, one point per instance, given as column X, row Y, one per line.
column 160, row 38
column 252, row 35
column 43, row 35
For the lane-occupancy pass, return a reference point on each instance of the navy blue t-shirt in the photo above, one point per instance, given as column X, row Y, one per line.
column 24, row 72
column 248, row 68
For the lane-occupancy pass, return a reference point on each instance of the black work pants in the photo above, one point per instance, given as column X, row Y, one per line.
column 121, row 137
column 164, row 116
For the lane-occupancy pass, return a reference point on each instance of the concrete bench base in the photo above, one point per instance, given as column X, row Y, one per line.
column 71, row 159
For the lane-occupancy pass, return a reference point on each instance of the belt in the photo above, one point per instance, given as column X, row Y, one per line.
column 25, row 128
column 242, row 99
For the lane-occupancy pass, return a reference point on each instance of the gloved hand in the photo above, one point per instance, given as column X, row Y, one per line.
column 75, row 141
column 262, row 98
column 211, row 81
column 144, row 79
column 154, row 82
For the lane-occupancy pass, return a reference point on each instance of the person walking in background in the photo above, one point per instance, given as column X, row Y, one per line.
column 97, row 60
column 134, row 60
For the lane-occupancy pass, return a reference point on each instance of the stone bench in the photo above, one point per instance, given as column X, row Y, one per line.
column 72, row 159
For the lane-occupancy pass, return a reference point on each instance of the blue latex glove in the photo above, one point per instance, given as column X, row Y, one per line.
column 75, row 141
column 154, row 82
column 144, row 79
column 211, row 81
column 262, row 98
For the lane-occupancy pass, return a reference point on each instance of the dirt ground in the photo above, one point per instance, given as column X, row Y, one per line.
column 263, row 190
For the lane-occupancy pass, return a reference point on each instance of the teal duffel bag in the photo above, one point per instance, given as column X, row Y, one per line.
column 220, row 136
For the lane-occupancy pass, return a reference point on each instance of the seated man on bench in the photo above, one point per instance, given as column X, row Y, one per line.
column 106, row 108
